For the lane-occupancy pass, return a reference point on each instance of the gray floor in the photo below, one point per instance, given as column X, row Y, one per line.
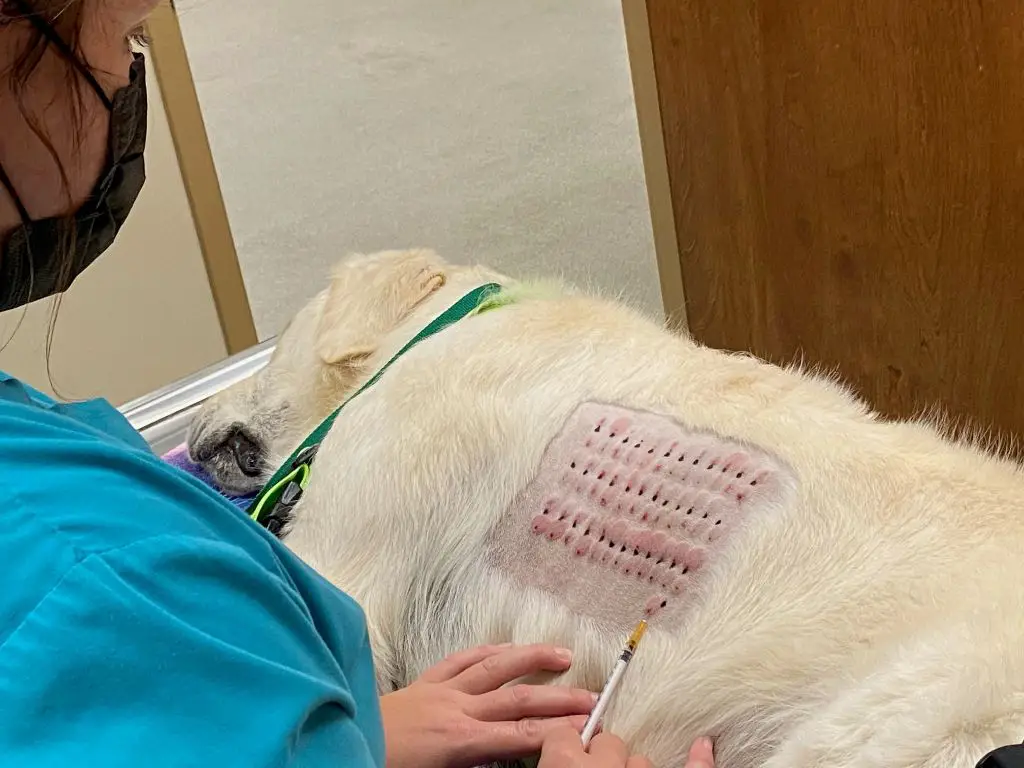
column 495, row 132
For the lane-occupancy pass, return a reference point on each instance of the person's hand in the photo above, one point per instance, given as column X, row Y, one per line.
column 563, row 749
column 702, row 754
column 458, row 714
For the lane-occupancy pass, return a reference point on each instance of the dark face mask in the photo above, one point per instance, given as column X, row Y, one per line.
column 32, row 260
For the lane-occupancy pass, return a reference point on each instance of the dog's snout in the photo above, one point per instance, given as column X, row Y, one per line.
column 248, row 455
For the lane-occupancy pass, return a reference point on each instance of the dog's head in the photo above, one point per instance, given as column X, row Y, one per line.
column 241, row 435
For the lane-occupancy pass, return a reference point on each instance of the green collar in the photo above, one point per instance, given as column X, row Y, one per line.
column 272, row 507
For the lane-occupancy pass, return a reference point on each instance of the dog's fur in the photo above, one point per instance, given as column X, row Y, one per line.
column 874, row 622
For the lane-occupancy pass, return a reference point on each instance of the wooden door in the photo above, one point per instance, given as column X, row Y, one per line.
column 847, row 186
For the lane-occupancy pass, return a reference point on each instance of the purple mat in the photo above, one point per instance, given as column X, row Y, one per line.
column 178, row 457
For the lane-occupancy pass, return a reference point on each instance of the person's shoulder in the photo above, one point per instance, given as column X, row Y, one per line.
column 74, row 489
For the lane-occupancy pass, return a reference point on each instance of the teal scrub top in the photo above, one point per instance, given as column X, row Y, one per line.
column 147, row 621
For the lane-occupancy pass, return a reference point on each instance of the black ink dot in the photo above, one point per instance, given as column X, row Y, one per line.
column 637, row 445
column 739, row 475
column 664, row 603
column 704, row 516
column 753, row 482
column 711, row 465
column 664, row 503
column 655, row 496
column 718, row 522
column 572, row 465
column 586, row 472
column 682, row 457
column 689, row 511
column 636, row 552
column 695, row 461
column 597, row 428
column 650, row 451
column 686, row 569
column 612, row 483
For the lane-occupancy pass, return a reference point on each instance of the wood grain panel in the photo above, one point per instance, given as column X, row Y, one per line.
column 847, row 183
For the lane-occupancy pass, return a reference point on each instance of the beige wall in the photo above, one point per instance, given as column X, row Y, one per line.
column 140, row 317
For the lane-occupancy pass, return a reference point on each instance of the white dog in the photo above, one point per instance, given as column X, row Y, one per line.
column 824, row 588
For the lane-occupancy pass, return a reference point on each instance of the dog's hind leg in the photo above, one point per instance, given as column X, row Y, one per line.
column 943, row 700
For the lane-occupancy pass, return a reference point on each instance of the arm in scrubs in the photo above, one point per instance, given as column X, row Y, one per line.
column 114, row 561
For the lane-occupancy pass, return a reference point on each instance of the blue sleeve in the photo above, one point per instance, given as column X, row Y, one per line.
column 175, row 651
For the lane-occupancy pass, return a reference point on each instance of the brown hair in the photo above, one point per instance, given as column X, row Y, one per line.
column 52, row 27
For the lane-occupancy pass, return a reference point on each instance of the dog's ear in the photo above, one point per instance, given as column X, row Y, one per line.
column 369, row 296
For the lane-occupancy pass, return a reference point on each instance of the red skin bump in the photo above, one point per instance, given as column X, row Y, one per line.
column 653, row 605
column 558, row 528
column 644, row 541
column 617, row 532
column 540, row 524
column 604, row 501
column 680, row 552
column 677, row 587
column 621, row 425
column 583, row 546
column 643, row 568
column 695, row 558
column 615, row 453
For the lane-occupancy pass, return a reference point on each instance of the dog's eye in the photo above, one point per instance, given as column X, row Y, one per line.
column 247, row 453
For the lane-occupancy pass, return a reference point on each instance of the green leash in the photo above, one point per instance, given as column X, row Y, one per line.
column 271, row 507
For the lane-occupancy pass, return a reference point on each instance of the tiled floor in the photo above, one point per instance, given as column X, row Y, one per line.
column 496, row 132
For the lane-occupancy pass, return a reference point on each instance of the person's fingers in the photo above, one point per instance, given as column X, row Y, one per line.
column 702, row 754
column 518, row 701
column 561, row 747
column 609, row 750
column 561, row 735
column 457, row 663
column 493, row 671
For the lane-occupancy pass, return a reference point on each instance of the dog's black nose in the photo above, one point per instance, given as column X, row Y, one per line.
column 248, row 455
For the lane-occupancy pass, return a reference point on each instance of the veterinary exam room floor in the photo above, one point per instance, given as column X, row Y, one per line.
column 495, row 132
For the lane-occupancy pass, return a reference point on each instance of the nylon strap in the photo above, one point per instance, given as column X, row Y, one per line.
column 297, row 467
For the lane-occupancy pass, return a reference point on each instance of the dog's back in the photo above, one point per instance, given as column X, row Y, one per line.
column 872, row 612
column 858, row 608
